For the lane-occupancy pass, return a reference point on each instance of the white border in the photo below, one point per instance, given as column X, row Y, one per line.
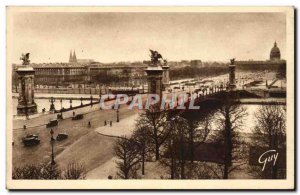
column 152, row 183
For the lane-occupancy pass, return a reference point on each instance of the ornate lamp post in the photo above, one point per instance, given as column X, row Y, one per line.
column 52, row 107
column 52, row 142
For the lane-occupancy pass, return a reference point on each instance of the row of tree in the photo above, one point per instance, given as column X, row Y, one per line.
column 172, row 140
column 193, row 72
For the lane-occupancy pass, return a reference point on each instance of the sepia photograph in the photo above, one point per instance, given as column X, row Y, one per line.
column 150, row 98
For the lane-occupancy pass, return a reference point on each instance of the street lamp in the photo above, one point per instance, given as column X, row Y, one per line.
column 52, row 100
column 52, row 142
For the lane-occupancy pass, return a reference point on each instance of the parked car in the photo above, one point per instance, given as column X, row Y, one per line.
column 61, row 136
column 77, row 117
column 31, row 140
column 52, row 123
column 31, row 135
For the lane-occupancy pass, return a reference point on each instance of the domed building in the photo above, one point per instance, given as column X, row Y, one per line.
column 275, row 53
column 274, row 62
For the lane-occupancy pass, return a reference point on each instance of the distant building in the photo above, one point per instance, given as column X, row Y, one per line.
column 73, row 59
column 84, row 71
column 275, row 53
column 274, row 62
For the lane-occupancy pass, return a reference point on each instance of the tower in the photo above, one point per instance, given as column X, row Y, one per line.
column 71, row 57
column 232, row 74
column 154, row 80
column 74, row 57
column 26, row 104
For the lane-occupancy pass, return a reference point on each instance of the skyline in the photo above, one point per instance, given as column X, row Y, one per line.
column 115, row 37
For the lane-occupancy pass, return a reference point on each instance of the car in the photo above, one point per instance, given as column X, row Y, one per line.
column 52, row 123
column 61, row 136
column 77, row 117
column 31, row 141
column 31, row 135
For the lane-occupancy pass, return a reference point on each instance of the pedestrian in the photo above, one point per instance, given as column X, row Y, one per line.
column 105, row 123
column 89, row 123
column 24, row 127
column 110, row 123
column 73, row 113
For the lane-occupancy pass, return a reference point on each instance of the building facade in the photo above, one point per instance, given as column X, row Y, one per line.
column 82, row 74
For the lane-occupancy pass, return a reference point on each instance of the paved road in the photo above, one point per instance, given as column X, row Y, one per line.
column 84, row 144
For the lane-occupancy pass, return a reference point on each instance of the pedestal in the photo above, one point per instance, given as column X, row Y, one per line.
column 232, row 84
column 154, row 79
column 26, row 105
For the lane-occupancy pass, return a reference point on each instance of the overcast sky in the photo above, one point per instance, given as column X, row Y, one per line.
column 113, row 37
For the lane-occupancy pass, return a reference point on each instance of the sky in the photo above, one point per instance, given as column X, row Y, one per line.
column 115, row 37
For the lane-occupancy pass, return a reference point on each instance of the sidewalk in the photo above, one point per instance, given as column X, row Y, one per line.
column 123, row 128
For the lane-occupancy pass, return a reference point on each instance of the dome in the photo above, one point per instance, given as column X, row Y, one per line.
column 275, row 53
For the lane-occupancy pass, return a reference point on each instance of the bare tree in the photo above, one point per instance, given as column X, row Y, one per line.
column 230, row 119
column 74, row 170
column 127, row 151
column 176, row 148
column 199, row 128
column 155, row 119
column 270, row 132
column 140, row 136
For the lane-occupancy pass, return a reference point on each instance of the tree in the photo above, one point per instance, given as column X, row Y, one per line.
column 40, row 171
column 49, row 171
column 230, row 118
column 127, row 151
column 74, row 170
column 198, row 130
column 155, row 119
column 140, row 136
column 191, row 71
column 176, row 152
column 186, row 133
column 270, row 132
column 26, row 172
